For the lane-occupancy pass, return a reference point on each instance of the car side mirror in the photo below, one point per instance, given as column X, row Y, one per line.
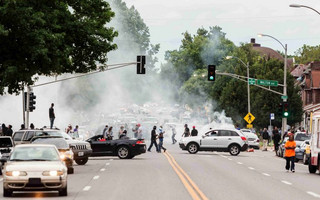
column 204, row 136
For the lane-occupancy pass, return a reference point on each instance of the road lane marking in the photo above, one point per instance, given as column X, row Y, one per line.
column 266, row 174
column 206, row 156
column 96, row 177
column 313, row 194
column 223, row 156
column 240, row 163
column 251, row 168
column 107, row 164
column 87, row 188
column 177, row 166
column 286, row 182
column 229, row 158
column 103, row 169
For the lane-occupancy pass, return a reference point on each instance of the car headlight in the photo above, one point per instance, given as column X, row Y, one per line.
column 16, row 173
column 66, row 154
column 52, row 173
column 88, row 146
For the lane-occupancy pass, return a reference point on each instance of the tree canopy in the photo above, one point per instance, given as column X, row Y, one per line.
column 51, row 38
column 307, row 54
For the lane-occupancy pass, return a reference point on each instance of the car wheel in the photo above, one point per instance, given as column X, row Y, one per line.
column 234, row 149
column 312, row 168
column 70, row 170
column 63, row 192
column 81, row 161
column 7, row 193
column 193, row 148
column 123, row 152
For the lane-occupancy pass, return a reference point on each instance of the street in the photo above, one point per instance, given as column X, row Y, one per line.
column 250, row 175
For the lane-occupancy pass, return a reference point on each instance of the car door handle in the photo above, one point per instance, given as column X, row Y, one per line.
column 215, row 139
column 229, row 139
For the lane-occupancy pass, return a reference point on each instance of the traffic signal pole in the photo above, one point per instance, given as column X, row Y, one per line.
column 284, row 119
column 26, row 124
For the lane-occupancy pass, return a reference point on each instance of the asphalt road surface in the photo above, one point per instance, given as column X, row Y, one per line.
column 179, row 175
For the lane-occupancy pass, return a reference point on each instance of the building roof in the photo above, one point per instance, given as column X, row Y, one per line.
column 298, row 70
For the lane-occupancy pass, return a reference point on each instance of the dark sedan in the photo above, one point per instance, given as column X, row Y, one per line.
column 124, row 148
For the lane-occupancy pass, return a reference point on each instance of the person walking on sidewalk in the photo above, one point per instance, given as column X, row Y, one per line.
column 276, row 138
column 265, row 139
column 290, row 153
column 52, row 116
column 161, row 132
column 153, row 139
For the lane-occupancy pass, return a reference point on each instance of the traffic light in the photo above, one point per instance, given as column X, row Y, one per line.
column 211, row 72
column 285, row 110
column 141, row 61
column 32, row 101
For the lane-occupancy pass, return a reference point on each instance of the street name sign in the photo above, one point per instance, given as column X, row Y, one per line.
column 249, row 118
column 267, row 82
column 284, row 97
column 252, row 81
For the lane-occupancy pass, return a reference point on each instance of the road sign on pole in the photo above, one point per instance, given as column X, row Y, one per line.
column 267, row 82
column 252, row 81
column 249, row 118
column 271, row 116
column 249, row 126
column 284, row 97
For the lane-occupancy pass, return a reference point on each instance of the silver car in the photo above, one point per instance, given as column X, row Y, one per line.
column 34, row 167
column 253, row 140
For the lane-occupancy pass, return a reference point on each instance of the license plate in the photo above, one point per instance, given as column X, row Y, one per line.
column 35, row 181
column 80, row 153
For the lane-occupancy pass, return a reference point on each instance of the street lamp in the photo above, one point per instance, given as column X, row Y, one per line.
column 284, row 120
column 303, row 6
column 247, row 66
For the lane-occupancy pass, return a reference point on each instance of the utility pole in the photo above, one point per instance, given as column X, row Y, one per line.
column 249, row 107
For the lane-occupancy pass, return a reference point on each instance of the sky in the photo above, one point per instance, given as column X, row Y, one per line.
column 240, row 20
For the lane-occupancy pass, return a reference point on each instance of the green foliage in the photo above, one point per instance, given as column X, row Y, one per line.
column 52, row 37
column 307, row 54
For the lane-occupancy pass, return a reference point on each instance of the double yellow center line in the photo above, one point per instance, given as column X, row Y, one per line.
column 191, row 187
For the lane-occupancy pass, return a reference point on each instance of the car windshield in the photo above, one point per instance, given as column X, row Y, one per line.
column 60, row 143
column 302, row 137
column 36, row 153
column 56, row 133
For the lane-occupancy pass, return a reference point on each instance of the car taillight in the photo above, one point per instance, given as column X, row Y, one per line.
column 140, row 142
column 258, row 140
column 243, row 138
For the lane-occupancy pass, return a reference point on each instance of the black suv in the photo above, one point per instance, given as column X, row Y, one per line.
column 81, row 149
column 6, row 145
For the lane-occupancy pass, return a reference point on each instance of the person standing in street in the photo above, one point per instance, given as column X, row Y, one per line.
column 276, row 138
column 153, row 139
column 290, row 153
column 52, row 116
column 4, row 129
column 120, row 131
column 194, row 131
column 174, row 132
column 135, row 131
column 186, row 132
column 140, row 135
column 104, row 132
column 31, row 126
column 9, row 131
column 110, row 133
column 76, row 132
column 265, row 139
column 161, row 132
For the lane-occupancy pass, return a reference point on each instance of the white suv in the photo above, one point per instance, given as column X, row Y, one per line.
column 226, row 140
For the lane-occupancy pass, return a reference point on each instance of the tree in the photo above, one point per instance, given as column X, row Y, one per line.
column 307, row 54
column 52, row 37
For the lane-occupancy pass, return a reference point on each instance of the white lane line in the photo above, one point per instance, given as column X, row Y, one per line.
column 240, row 163
column 206, row 156
column 286, row 182
column 87, row 188
column 266, row 174
column 96, row 177
column 103, row 169
column 251, row 168
column 313, row 194
column 107, row 163
column 223, row 156
column 229, row 159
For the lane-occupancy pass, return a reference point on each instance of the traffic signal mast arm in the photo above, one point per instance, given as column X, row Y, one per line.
column 244, row 78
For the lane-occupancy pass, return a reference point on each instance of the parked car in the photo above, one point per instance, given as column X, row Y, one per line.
column 6, row 145
column 281, row 149
column 34, row 167
column 253, row 140
column 81, row 149
column 63, row 147
column 225, row 140
column 124, row 148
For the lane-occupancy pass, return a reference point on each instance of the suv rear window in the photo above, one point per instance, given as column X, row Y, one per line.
column 18, row 136
column 29, row 135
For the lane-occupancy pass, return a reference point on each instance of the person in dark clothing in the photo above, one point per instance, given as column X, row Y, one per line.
column 52, row 116
column 265, row 138
column 22, row 127
column 194, row 131
column 9, row 131
column 161, row 132
column 31, row 126
column 4, row 129
column 186, row 132
column 276, row 138
column 153, row 139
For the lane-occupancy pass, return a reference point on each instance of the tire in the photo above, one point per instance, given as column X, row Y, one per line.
column 123, row 152
column 312, row 168
column 193, row 148
column 70, row 170
column 234, row 149
column 63, row 192
column 7, row 193
column 81, row 161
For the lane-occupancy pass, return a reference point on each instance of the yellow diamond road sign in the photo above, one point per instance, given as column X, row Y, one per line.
column 249, row 118
column 249, row 126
